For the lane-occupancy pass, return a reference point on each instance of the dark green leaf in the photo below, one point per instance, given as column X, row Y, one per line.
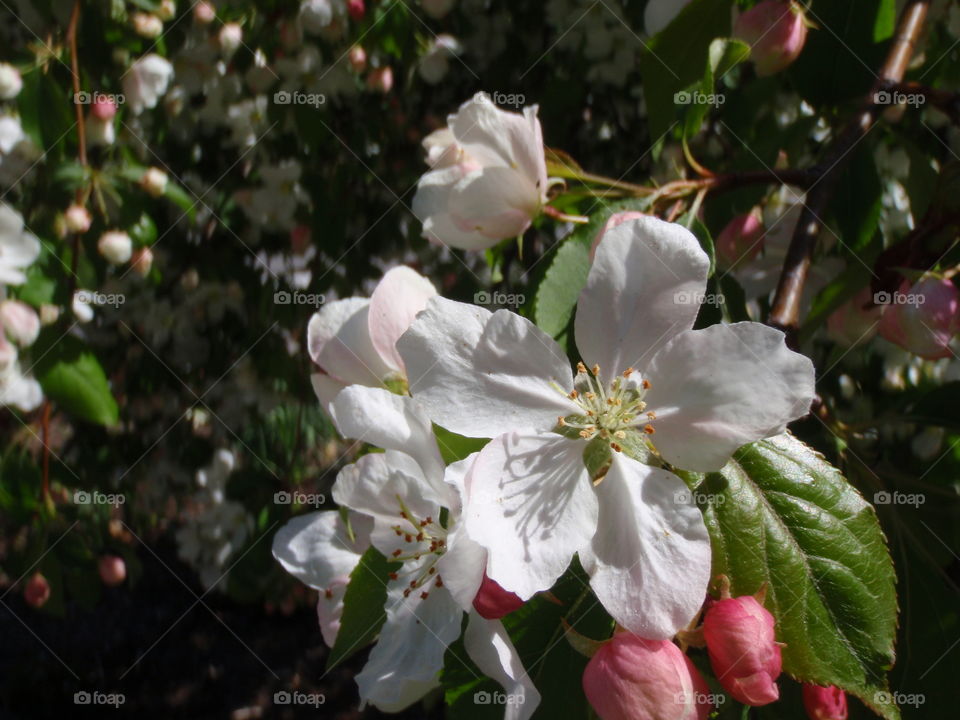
column 72, row 377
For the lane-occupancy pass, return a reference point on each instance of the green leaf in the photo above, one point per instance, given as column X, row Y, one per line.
column 455, row 447
column 724, row 53
column 72, row 377
column 363, row 606
column 778, row 514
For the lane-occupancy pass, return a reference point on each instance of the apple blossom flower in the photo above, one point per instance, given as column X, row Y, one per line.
column 401, row 492
column 18, row 247
column 77, row 219
column 923, row 318
column 498, row 184
column 36, row 592
column 660, row 13
column 147, row 25
column 16, row 389
column 112, row 569
column 353, row 340
column 146, row 81
column 632, row 678
column 437, row 8
column 744, row 653
column 20, row 322
column 691, row 397
column 10, row 82
column 115, row 246
column 824, row 703
column 776, row 32
column 154, row 181
column 741, row 240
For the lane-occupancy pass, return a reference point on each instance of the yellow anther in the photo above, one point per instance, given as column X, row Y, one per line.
column 596, row 370
column 628, row 372
column 581, row 368
column 648, row 429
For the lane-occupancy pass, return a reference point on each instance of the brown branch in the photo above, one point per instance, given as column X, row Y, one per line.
column 785, row 313
column 81, row 133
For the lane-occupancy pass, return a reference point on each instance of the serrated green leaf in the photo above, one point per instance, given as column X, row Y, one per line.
column 780, row 515
column 72, row 377
column 363, row 606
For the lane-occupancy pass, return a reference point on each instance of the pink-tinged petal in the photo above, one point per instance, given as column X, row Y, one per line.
column 530, row 504
column 649, row 562
column 326, row 389
column 644, row 288
column 338, row 339
column 392, row 422
column 317, row 550
column 489, row 646
column 431, row 205
column 716, row 389
column 405, row 663
column 399, row 296
column 496, row 202
column 612, row 222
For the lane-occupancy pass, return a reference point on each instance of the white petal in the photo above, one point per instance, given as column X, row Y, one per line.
column 461, row 567
column 479, row 375
column 716, row 389
column 405, row 663
column 317, row 550
column 530, row 504
column 391, row 422
column 496, row 202
column 326, row 389
column 643, row 288
column 399, row 296
column 338, row 338
column 431, row 205
column 650, row 559
column 20, row 391
column 489, row 646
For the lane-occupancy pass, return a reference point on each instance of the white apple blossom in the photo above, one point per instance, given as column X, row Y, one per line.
column 19, row 321
column 353, row 340
column 16, row 389
column 115, row 246
column 498, row 184
column 317, row 16
column 146, row 81
column 10, row 82
column 18, row 247
column 401, row 494
column 657, row 388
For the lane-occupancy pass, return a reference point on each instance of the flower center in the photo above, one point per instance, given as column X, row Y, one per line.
column 422, row 542
column 608, row 412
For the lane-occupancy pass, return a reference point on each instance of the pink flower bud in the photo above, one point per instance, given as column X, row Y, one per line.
column 142, row 261
column 78, row 219
column 115, row 246
column 854, row 322
column 230, row 38
column 775, row 31
column 922, row 319
column 493, row 602
column 631, row 678
column 37, row 591
column 742, row 648
column 356, row 10
column 103, row 108
column 612, row 222
column 113, row 571
column 204, row 13
column 741, row 240
column 147, row 25
column 381, row 79
column 357, row 58
column 20, row 321
column 825, row 703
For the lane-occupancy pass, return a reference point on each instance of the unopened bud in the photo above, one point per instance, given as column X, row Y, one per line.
column 741, row 240
column 154, row 181
column 77, row 219
column 924, row 318
column 167, row 10
column 357, row 58
column 10, row 82
column 142, row 261
column 631, row 678
column 230, row 38
column 744, row 653
column 147, row 25
column 493, row 602
column 776, row 32
column 20, row 321
column 204, row 13
column 113, row 570
column 356, row 9
column 381, row 79
column 37, row 590
column 115, row 246
column 824, row 703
